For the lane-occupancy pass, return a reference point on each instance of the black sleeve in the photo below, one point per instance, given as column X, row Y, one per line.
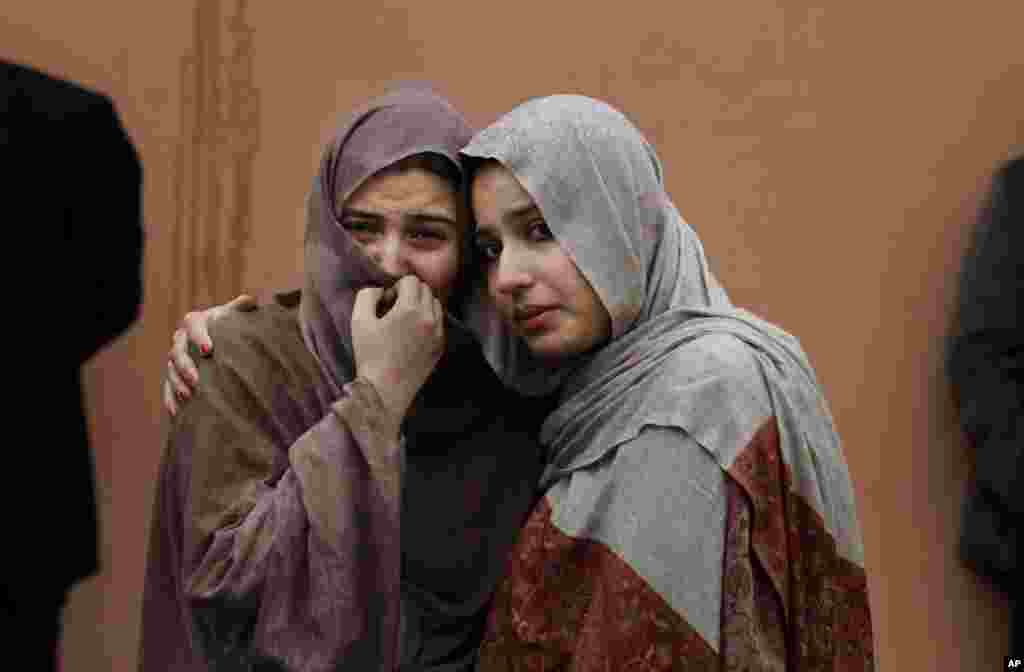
column 104, row 227
column 986, row 358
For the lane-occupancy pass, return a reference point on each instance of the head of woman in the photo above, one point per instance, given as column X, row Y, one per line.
column 580, row 245
column 568, row 201
column 384, row 203
column 536, row 287
column 406, row 218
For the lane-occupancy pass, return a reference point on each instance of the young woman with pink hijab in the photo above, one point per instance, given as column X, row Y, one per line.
column 331, row 499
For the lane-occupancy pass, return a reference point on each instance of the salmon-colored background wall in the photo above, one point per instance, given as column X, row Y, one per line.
column 831, row 156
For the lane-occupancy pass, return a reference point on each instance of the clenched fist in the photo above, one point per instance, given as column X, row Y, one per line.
column 398, row 350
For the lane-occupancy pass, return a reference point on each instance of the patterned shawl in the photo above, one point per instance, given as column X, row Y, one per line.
column 698, row 502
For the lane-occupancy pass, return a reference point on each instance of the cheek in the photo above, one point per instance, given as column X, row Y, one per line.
column 586, row 301
column 599, row 322
column 438, row 268
column 500, row 300
column 361, row 244
column 563, row 275
column 490, row 277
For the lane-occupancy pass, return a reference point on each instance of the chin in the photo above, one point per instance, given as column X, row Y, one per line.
column 550, row 346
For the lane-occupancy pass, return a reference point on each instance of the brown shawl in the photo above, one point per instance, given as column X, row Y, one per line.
column 277, row 538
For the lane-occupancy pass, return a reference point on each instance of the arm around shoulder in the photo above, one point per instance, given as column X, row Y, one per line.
column 284, row 543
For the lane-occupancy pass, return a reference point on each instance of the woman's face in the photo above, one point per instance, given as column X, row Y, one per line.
column 406, row 220
column 536, row 287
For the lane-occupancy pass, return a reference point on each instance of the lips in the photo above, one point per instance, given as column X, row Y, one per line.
column 533, row 318
column 527, row 312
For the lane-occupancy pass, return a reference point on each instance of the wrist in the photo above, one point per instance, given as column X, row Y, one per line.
column 393, row 396
column 368, row 415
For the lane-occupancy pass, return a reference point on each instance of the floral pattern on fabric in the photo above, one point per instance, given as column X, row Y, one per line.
column 782, row 567
column 573, row 605
column 789, row 601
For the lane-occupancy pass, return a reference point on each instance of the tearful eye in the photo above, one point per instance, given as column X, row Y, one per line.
column 488, row 249
column 420, row 234
column 356, row 226
column 539, row 230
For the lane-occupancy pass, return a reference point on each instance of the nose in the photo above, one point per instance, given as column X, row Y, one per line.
column 511, row 273
column 389, row 253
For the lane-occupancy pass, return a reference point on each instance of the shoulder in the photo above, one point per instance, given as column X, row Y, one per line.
column 714, row 387
column 259, row 349
column 723, row 351
column 722, row 360
column 269, row 333
column 260, row 382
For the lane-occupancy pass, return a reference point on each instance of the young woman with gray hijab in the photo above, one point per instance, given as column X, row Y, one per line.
column 331, row 499
column 697, row 511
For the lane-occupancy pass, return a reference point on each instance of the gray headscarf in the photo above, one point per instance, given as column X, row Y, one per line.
column 599, row 185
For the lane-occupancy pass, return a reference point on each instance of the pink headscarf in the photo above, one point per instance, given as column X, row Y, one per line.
column 400, row 124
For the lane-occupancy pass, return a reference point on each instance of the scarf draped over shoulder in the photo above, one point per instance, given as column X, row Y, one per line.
column 699, row 506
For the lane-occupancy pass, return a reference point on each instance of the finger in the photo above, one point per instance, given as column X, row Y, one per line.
column 415, row 289
column 196, row 324
column 177, row 384
column 366, row 302
column 387, row 300
column 169, row 404
column 179, row 339
column 425, row 296
column 439, row 317
column 423, row 292
column 243, row 303
column 434, row 306
column 402, row 290
column 183, row 363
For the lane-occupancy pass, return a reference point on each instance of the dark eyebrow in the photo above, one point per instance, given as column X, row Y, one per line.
column 431, row 216
column 519, row 212
column 365, row 214
column 522, row 211
column 416, row 215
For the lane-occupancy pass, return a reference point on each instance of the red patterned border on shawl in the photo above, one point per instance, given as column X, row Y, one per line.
column 574, row 605
column 776, row 543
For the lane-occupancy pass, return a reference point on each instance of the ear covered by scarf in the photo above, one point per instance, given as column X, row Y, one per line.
column 408, row 121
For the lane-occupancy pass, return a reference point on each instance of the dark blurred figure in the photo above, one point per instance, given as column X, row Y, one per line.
column 986, row 367
column 71, row 193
